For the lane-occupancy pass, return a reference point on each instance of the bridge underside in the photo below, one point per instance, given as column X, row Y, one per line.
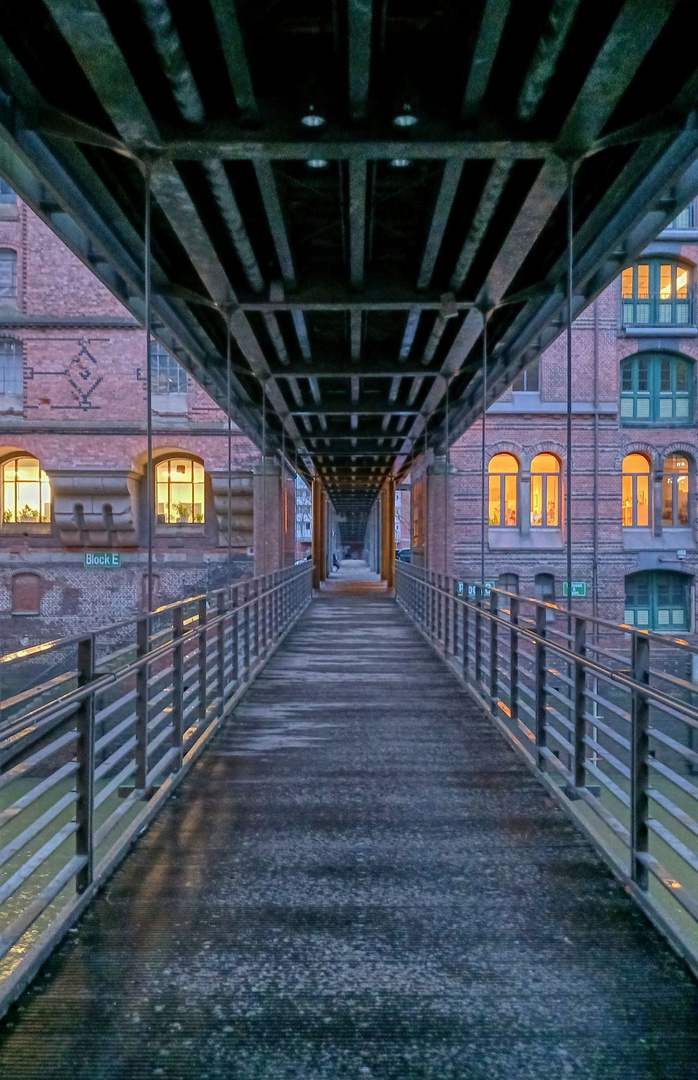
column 349, row 186
column 359, row 879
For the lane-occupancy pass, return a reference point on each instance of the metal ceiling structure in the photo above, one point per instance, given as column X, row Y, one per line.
column 352, row 184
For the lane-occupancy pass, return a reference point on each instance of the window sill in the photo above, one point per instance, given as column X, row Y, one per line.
column 685, row 330
column 195, row 529
column 11, row 403
column 501, row 538
column 670, row 539
column 26, row 528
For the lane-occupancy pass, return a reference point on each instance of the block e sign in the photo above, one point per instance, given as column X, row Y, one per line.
column 102, row 560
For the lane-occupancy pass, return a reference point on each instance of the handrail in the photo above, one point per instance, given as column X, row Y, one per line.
column 81, row 775
column 617, row 752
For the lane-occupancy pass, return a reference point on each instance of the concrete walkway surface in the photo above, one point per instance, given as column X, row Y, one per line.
column 359, row 879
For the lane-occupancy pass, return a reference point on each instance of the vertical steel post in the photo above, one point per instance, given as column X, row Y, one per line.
column 483, row 453
column 221, row 609
column 479, row 592
column 177, row 686
column 150, row 479
column 142, row 711
column 514, row 657
column 228, row 380
column 639, row 771
column 202, row 658
column 84, row 780
column 246, row 630
column 465, row 635
column 580, row 649
column 541, row 739
column 494, row 651
column 570, row 267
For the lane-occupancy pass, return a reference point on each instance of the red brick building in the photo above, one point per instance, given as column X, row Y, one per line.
column 634, row 454
column 73, row 454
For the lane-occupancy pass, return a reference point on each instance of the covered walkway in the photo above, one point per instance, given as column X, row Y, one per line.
column 358, row 879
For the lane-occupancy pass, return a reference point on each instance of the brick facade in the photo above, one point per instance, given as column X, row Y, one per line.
column 82, row 414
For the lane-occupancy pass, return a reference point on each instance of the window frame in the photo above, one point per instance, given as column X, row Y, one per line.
column 653, row 394
column 633, row 475
column 544, row 524
column 177, row 522
column 675, row 523
column 42, row 481
column 14, row 353
column 653, row 607
column 174, row 371
column 10, row 297
column 530, row 374
column 502, row 477
column 646, row 306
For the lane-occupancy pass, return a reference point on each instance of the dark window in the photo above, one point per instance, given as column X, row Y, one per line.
column 656, row 388
column 545, row 590
column 168, row 376
column 8, row 274
column 658, row 600
column 508, row 582
column 7, row 195
column 528, row 379
column 684, row 220
column 675, row 486
column 656, row 293
column 26, row 594
column 11, row 368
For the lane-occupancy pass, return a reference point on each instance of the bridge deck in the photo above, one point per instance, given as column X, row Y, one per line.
column 359, row 879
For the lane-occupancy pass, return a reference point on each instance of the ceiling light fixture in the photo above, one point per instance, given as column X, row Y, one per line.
column 405, row 117
column 400, row 163
column 311, row 118
column 317, row 163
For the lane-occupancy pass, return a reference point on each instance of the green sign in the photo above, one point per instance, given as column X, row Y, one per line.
column 472, row 589
column 579, row 588
column 102, row 560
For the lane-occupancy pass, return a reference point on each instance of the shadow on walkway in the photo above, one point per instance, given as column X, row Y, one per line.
column 359, row 879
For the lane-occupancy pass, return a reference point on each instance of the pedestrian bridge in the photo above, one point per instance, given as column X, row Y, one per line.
column 362, row 872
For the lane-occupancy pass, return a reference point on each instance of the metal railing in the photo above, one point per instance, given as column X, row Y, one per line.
column 103, row 728
column 605, row 715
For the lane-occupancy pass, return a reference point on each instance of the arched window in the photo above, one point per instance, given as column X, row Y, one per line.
column 658, row 600
column 8, row 276
column 656, row 388
column 26, row 491
column 26, row 594
column 503, row 472
column 11, row 382
column 656, row 293
column 545, row 491
column 675, row 491
column 636, row 491
column 180, row 491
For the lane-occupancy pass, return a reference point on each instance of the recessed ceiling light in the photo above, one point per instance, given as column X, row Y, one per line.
column 400, row 163
column 311, row 118
column 405, row 117
column 317, row 163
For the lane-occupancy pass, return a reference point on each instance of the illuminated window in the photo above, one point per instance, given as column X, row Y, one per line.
column 675, row 491
column 657, row 600
column 656, row 293
column 8, row 275
column 636, row 491
column 180, row 492
column 528, row 380
column 503, row 479
column 168, row 377
column 26, row 491
column 545, row 491
column 11, row 382
column 656, row 388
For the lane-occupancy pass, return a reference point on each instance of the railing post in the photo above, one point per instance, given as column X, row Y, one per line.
column 541, row 615
column 447, row 614
column 202, row 666
column 514, row 658
column 235, row 637
column 479, row 589
column 177, row 685
column 85, row 753
column 494, row 652
column 142, row 649
column 465, row 634
column 246, row 630
column 580, row 649
column 639, row 771
column 257, row 613
column 220, row 637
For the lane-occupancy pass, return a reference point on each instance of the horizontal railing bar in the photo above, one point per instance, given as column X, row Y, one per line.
column 18, row 928
column 65, row 771
column 38, row 825
column 32, row 864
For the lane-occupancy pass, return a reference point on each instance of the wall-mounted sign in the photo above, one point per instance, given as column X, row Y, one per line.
column 472, row 588
column 579, row 588
column 103, row 560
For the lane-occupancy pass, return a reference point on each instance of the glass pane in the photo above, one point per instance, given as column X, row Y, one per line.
column 665, row 378
column 682, row 500
column 667, row 500
column 681, row 283
column 636, row 463
column 510, row 500
column 627, row 501
column 495, row 501
column 665, row 313
column 27, row 468
column 545, row 463
column 552, row 502
column 626, row 377
column 536, row 500
column 643, row 501
column 662, row 617
column 642, row 375
column 629, row 616
column 665, row 282
column 628, row 314
column 681, row 410
column 643, row 408
column 642, row 617
column 503, row 463
column 642, row 313
column 681, row 311
column 626, row 284
column 678, row 617
column 666, row 408
column 627, row 406
column 681, row 376
column 643, row 282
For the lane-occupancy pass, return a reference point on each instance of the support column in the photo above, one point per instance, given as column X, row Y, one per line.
column 390, row 531
column 289, row 519
column 439, row 516
column 319, row 557
column 268, row 517
column 384, row 535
